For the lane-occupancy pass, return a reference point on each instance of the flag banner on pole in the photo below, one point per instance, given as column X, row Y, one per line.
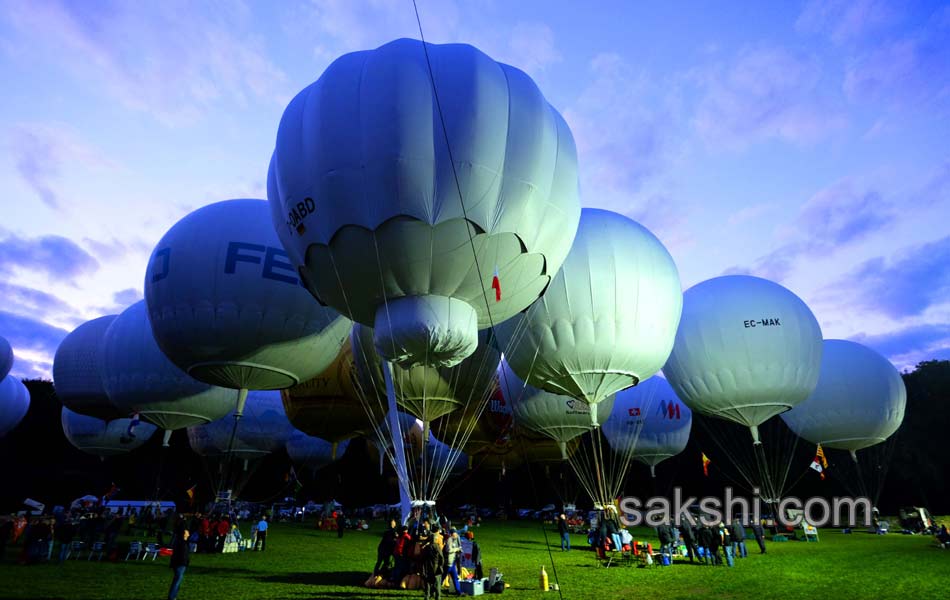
column 819, row 463
column 496, row 285
column 706, row 462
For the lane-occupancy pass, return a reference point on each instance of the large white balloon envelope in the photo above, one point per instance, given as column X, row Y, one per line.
column 226, row 306
column 77, row 368
column 858, row 402
column 104, row 438
column 14, row 403
column 139, row 378
column 263, row 429
column 428, row 392
column 558, row 417
column 6, row 357
column 648, row 423
column 608, row 319
column 746, row 350
column 384, row 211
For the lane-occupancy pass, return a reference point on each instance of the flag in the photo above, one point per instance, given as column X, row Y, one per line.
column 496, row 285
column 191, row 494
column 819, row 463
column 706, row 462
column 133, row 423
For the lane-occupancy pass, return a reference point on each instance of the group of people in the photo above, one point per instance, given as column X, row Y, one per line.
column 710, row 544
column 715, row 544
column 432, row 550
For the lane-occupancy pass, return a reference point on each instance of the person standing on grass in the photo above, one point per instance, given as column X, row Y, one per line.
column 723, row 534
column 340, row 525
column 181, row 550
column 565, row 534
column 738, row 539
column 689, row 539
column 708, row 541
column 452, row 551
column 262, row 532
column 433, row 569
column 759, row 533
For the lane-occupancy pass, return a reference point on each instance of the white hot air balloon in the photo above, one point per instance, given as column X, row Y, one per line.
column 313, row 453
column 608, row 319
column 104, row 438
column 747, row 349
column 606, row 322
column 384, row 211
column 76, row 371
column 227, row 307
column 560, row 418
column 6, row 357
column 140, row 379
column 14, row 403
column 648, row 423
column 858, row 402
column 263, row 429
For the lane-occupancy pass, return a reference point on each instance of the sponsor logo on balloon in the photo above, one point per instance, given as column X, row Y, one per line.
column 298, row 212
column 276, row 263
column 160, row 264
column 669, row 410
column 762, row 323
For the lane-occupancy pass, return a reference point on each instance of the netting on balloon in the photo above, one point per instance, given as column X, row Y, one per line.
column 864, row 473
column 767, row 467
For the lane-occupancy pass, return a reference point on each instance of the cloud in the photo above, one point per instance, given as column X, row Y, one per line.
column 908, row 284
column 911, row 345
column 904, row 71
column 175, row 60
column 618, row 129
column 31, row 301
column 836, row 216
column 30, row 368
column 127, row 297
column 845, row 20
column 765, row 93
column 40, row 152
column 30, row 335
column 56, row 256
column 749, row 213
column 533, row 45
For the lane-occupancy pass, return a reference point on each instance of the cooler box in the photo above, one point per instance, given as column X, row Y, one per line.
column 472, row 587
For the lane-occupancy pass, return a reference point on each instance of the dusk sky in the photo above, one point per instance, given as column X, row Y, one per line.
column 805, row 142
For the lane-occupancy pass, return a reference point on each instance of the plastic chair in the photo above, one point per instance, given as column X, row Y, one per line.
column 151, row 549
column 76, row 547
column 135, row 549
column 97, row 548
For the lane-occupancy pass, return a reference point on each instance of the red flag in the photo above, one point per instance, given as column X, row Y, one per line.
column 496, row 285
column 706, row 462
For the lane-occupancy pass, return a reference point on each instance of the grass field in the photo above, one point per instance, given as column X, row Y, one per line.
column 301, row 562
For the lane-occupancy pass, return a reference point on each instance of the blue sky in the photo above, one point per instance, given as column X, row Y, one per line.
column 806, row 142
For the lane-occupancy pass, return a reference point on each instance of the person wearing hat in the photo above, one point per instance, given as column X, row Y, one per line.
column 453, row 551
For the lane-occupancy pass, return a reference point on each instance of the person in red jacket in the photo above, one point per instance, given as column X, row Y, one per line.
column 224, row 527
column 400, row 550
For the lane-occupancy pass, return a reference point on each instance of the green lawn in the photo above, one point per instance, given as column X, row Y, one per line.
column 304, row 563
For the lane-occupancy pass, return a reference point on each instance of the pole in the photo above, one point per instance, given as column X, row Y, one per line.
column 399, row 452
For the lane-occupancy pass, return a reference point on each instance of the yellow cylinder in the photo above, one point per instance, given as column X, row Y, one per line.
column 544, row 579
